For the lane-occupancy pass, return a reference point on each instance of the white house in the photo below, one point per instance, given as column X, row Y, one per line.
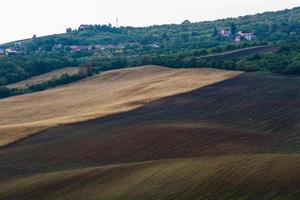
column 10, row 51
column 249, row 36
column 246, row 36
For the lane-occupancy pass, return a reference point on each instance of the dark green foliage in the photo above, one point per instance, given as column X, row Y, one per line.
column 13, row 69
column 4, row 92
column 233, row 29
column 286, row 61
column 294, row 66
column 215, row 33
column 63, row 79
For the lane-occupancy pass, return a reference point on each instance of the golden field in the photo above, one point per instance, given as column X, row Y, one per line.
column 107, row 93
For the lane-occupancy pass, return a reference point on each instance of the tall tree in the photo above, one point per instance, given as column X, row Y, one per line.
column 233, row 29
column 215, row 32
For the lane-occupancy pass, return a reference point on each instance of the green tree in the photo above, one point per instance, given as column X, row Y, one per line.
column 215, row 33
column 69, row 30
column 233, row 29
column 4, row 92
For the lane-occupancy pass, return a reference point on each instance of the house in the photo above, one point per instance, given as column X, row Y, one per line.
column 225, row 33
column 249, row 36
column 2, row 51
column 83, row 27
column 10, row 52
column 246, row 36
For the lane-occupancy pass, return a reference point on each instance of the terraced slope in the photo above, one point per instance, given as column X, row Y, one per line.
column 44, row 77
column 108, row 93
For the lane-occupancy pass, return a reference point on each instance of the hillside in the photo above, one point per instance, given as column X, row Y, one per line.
column 242, row 53
column 101, row 95
column 44, row 77
column 185, row 132
column 261, row 177
column 268, row 27
column 234, row 139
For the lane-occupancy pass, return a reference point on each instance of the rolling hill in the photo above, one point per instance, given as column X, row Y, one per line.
column 232, row 177
column 104, row 94
column 152, row 132
column 233, row 139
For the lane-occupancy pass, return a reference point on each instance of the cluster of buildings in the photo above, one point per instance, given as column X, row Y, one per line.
column 8, row 51
column 88, row 47
column 14, row 49
column 94, row 47
column 244, row 36
column 240, row 36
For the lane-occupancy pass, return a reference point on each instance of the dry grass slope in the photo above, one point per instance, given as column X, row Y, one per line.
column 249, row 177
column 105, row 94
column 44, row 77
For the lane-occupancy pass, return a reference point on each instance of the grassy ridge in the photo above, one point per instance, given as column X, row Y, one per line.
column 232, row 177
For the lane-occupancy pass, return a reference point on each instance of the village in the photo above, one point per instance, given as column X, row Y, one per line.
column 16, row 50
column 9, row 51
column 238, row 37
column 21, row 48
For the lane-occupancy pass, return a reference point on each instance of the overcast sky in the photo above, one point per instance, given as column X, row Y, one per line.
column 21, row 19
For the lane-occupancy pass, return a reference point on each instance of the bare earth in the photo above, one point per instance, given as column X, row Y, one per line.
column 108, row 93
column 44, row 77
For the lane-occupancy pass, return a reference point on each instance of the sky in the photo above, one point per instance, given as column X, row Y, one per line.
column 20, row 19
